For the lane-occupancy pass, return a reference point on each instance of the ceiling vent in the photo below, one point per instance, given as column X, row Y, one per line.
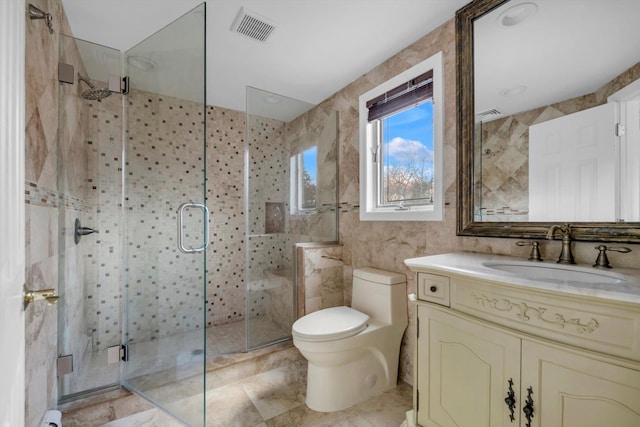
column 488, row 114
column 250, row 24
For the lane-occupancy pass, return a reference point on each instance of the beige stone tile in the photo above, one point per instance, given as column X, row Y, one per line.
column 230, row 406
column 276, row 391
column 150, row 418
column 388, row 409
column 385, row 410
column 305, row 417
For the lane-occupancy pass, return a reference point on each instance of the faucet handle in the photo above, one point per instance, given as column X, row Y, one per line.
column 535, row 250
column 603, row 260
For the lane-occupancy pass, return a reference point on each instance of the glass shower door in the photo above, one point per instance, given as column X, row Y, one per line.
column 166, row 221
column 291, row 198
column 88, row 175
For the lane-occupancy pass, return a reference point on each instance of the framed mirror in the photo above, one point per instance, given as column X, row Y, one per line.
column 549, row 118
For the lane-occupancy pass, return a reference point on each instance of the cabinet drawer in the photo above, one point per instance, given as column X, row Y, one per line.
column 433, row 288
column 587, row 323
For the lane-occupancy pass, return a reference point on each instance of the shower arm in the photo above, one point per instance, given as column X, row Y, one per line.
column 35, row 13
column 86, row 80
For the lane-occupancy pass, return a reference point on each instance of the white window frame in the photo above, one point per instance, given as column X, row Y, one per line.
column 296, row 195
column 369, row 170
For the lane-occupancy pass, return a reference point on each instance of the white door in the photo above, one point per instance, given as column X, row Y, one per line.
column 572, row 167
column 12, row 256
column 630, row 161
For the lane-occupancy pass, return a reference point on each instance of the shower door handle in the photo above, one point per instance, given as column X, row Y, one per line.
column 181, row 209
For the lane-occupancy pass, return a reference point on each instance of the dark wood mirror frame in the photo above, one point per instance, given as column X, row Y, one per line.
column 466, row 226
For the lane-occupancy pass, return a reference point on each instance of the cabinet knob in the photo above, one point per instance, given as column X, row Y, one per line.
column 433, row 288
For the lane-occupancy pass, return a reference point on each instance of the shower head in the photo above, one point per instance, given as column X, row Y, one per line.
column 94, row 93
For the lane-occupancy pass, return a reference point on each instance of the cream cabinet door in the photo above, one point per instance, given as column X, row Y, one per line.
column 463, row 372
column 572, row 389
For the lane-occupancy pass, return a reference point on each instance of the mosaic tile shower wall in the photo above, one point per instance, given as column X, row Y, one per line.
column 270, row 255
column 155, row 158
column 164, row 168
column 160, row 156
column 102, row 252
column 225, row 198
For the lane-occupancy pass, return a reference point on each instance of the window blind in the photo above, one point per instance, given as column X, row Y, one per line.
column 407, row 94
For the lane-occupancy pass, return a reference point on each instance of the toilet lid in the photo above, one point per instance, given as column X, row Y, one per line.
column 330, row 324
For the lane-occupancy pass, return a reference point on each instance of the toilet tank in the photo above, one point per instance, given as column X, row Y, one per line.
column 380, row 294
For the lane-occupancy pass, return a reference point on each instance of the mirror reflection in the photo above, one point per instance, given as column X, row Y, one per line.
column 557, row 112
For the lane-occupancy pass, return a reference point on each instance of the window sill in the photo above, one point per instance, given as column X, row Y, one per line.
column 391, row 214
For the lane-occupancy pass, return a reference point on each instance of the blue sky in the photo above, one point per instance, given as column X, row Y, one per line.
column 310, row 160
column 408, row 135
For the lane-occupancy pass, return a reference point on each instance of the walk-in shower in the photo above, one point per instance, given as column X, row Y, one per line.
column 132, row 308
column 135, row 309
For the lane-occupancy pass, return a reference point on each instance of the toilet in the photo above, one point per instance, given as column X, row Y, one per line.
column 353, row 353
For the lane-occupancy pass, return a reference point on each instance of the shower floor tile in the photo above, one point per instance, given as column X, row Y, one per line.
column 180, row 354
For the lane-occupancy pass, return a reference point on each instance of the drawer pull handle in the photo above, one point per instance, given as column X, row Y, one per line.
column 528, row 408
column 433, row 288
column 510, row 400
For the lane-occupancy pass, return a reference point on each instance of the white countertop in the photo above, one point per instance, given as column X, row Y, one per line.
column 476, row 265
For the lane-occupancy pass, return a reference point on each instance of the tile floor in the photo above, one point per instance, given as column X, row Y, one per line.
column 261, row 388
column 274, row 398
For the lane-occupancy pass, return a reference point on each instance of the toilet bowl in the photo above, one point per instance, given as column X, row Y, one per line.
column 353, row 352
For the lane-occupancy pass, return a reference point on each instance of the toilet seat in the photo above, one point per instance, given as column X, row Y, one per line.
column 330, row 324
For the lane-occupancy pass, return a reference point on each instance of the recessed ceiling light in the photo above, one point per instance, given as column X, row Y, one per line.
column 517, row 14
column 514, row 91
column 272, row 99
column 141, row 63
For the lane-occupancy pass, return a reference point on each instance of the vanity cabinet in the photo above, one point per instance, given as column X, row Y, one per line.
column 490, row 341
column 463, row 370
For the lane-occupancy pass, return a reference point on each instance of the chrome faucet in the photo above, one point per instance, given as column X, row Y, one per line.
column 566, row 257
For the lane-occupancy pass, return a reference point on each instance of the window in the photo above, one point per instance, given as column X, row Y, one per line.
column 401, row 146
column 304, row 180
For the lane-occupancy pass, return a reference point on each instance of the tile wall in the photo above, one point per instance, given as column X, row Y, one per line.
column 320, row 277
column 42, row 201
column 386, row 244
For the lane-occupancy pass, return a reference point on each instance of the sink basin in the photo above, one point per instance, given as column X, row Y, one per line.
column 556, row 273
